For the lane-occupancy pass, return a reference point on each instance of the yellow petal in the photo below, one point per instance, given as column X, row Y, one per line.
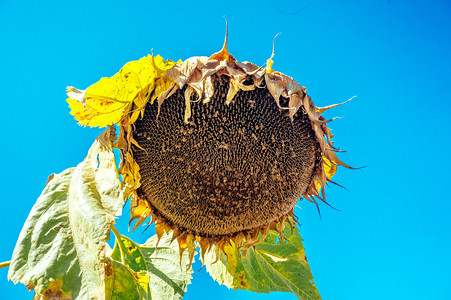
column 110, row 99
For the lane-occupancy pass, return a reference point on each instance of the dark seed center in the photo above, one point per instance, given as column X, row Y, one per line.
column 233, row 167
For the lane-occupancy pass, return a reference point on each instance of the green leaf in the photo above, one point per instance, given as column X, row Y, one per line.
column 168, row 278
column 127, row 284
column 61, row 249
column 268, row 267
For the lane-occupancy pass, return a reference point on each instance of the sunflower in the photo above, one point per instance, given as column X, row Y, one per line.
column 215, row 150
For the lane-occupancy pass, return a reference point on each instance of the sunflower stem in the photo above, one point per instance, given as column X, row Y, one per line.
column 119, row 243
column 5, row 264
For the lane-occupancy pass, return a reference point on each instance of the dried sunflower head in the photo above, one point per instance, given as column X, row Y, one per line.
column 216, row 150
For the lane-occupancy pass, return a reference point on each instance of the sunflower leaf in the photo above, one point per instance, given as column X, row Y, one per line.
column 126, row 284
column 61, row 249
column 269, row 266
column 167, row 277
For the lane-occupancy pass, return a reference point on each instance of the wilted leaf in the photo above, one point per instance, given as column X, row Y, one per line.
column 61, row 248
column 267, row 267
column 168, row 277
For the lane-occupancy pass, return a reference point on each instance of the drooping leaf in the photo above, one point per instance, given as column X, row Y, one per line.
column 269, row 266
column 168, row 278
column 110, row 99
column 61, row 249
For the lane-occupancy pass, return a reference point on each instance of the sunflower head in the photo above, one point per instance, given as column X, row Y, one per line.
column 215, row 150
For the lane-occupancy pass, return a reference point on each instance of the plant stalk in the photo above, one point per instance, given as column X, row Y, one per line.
column 120, row 243
column 5, row 264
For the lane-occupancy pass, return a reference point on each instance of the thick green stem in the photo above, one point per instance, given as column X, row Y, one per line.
column 5, row 264
column 119, row 242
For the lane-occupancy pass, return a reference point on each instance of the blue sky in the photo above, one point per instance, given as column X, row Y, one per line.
column 391, row 237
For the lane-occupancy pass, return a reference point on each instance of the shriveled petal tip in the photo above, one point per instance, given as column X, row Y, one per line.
column 270, row 61
column 76, row 94
column 223, row 54
column 324, row 108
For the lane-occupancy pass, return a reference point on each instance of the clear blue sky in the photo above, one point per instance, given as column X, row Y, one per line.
column 391, row 237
